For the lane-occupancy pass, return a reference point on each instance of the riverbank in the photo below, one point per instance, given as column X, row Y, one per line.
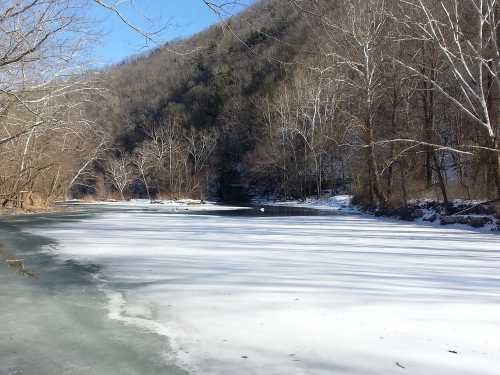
column 479, row 215
column 31, row 211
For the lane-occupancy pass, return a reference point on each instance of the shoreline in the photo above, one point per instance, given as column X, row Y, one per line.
column 422, row 212
column 13, row 212
column 464, row 214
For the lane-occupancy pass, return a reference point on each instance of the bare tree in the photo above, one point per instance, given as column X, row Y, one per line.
column 466, row 35
column 120, row 172
column 43, row 91
column 360, row 49
column 143, row 161
column 91, row 153
column 164, row 144
column 200, row 147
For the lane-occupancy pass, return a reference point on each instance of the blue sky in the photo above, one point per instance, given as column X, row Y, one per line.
column 183, row 17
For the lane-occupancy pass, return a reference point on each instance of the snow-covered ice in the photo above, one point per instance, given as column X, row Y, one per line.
column 169, row 205
column 317, row 295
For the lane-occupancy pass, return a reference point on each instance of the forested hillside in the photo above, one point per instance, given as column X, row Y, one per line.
column 194, row 106
column 390, row 100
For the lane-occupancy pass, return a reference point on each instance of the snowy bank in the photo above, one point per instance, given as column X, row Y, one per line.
column 461, row 213
column 458, row 214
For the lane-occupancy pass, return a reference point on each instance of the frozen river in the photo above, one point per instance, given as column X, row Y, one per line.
column 136, row 289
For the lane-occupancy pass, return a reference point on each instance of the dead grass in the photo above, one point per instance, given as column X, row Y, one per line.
column 16, row 264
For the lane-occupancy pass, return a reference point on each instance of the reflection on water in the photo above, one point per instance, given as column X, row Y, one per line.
column 58, row 323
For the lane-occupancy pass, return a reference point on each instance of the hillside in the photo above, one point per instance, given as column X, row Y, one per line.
column 213, row 83
column 293, row 99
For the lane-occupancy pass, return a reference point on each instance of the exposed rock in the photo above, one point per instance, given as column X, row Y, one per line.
column 418, row 213
column 474, row 221
column 479, row 221
column 448, row 220
column 431, row 218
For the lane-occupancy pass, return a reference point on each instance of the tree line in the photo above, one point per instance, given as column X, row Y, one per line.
column 416, row 91
column 51, row 142
column 390, row 100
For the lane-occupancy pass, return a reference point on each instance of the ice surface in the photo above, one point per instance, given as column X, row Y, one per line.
column 168, row 205
column 298, row 295
column 58, row 324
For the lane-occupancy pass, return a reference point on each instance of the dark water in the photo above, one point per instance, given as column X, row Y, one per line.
column 242, row 210
column 269, row 211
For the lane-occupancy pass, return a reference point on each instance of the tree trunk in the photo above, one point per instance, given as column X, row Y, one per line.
column 441, row 180
column 318, row 176
column 428, row 101
column 382, row 201
column 370, row 186
column 372, row 163
column 146, row 185
column 497, row 165
column 403, row 185
column 390, row 179
column 428, row 111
